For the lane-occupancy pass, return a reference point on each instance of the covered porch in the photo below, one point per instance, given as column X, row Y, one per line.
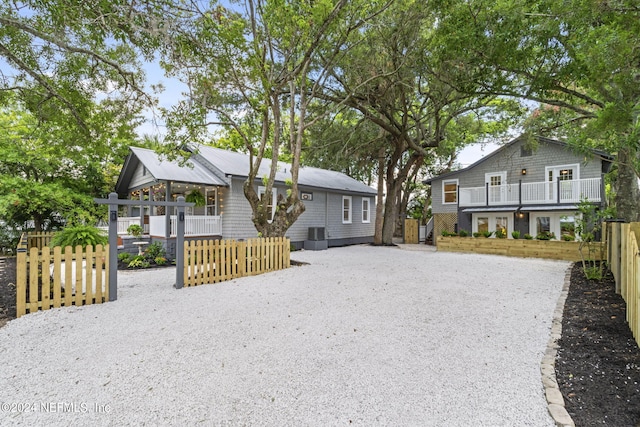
column 202, row 220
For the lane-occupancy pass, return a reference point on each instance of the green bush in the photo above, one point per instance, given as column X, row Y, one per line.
column 477, row 234
column 486, row 234
column 82, row 235
column 568, row 238
column 137, row 261
column 125, row 257
column 135, row 230
column 154, row 250
column 463, row 233
column 545, row 235
column 515, row 234
column 501, row 233
column 160, row 260
column 528, row 236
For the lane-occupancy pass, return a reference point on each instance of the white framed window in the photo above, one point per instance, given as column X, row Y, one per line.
column 492, row 222
column 271, row 204
column 554, row 222
column 346, row 209
column 366, row 203
column 450, row 191
column 212, row 202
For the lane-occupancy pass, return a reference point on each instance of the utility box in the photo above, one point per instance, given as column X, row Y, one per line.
column 317, row 240
column 316, row 233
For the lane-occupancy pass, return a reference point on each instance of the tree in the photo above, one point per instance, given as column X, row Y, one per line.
column 403, row 90
column 580, row 57
column 46, row 176
column 255, row 70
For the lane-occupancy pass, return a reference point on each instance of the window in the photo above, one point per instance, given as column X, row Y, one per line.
column 483, row 224
column 365, row 210
column 271, row 204
column 543, row 224
column 211, row 196
column 346, row 209
column 502, row 226
column 450, row 191
column 568, row 226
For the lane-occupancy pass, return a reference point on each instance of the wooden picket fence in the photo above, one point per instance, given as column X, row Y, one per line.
column 38, row 239
column 50, row 277
column 623, row 256
column 211, row 261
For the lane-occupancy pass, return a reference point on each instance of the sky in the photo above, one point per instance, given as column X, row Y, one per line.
column 174, row 90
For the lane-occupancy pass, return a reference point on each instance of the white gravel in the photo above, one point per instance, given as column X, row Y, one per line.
column 362, row 336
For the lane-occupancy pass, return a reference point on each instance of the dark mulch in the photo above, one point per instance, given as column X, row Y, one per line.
column 598, row 363
column 7, row 290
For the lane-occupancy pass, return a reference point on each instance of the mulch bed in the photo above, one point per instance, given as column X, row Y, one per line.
column 598, row 362
column 7, row 290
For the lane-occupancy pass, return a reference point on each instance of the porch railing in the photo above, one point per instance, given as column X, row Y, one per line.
column 125, row 221
column 533, row 193
column 194, row 225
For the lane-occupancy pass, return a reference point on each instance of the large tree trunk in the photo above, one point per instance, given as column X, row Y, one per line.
column 377, row 237
column 627, row 197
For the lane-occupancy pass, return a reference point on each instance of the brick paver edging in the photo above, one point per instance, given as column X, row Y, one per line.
column 555, row 401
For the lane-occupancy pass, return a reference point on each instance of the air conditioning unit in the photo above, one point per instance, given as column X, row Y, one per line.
column 316, row 233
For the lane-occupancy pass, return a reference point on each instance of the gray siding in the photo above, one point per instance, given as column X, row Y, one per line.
column 236, row 215
column 509, row 159
column 138, row 180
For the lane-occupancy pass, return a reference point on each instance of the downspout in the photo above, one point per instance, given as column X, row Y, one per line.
column 167, row 213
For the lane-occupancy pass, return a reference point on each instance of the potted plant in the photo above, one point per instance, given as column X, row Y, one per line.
column 134, row 230
column 196, row 197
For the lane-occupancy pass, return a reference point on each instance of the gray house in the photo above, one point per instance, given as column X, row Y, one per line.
column 530, row 188
column 339, row 209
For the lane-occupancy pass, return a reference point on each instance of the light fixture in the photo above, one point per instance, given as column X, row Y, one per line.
column 524, row 171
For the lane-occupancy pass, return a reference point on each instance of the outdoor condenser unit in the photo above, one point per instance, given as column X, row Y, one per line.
column 316, row 233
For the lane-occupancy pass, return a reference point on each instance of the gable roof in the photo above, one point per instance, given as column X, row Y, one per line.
column 237, row 165
column 604, row 156
column 213, row 166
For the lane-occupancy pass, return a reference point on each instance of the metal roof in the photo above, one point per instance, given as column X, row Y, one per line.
column 237, row 164
column 163, row 169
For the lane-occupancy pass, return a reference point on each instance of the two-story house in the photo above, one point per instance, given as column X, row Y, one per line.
column 532, row 188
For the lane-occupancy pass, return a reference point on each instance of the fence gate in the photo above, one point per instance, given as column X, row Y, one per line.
column 411, row 231
column 113, row 203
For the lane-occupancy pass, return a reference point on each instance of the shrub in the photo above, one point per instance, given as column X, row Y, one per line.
column 125, row 257
column 501, row 233
column 528, row 236
column 82, row 235
column 154, row 250
column 463, row 233
column 160, row 260
column 568, row 238
column 515, row 234
column 137, row 261
column 545, row 235
column 476, row 234
column 135, row 230
column 486, row 234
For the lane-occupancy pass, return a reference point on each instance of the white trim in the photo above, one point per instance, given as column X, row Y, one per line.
column 274, row 199
column 554, row 221
column 501, row 174
column 348, row 211
column 449, row 181
column 366, row 220
column 551, row 187
column 492, row 221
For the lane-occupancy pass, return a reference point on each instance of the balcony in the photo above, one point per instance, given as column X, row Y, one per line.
column 532, row 193
column 194, row 225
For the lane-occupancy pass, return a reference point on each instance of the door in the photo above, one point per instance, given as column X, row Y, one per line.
column 567, row 175
column 497, row 187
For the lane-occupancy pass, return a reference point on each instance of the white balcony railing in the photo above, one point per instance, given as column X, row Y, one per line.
column 194, row 225
column 532, row 193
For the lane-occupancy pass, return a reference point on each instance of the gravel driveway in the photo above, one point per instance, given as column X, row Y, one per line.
column 362, row 336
